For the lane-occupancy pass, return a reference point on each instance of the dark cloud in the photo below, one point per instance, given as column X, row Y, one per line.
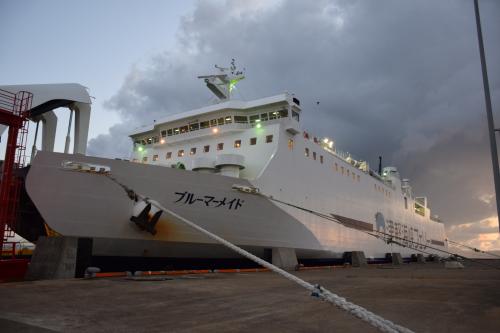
column 398, row 79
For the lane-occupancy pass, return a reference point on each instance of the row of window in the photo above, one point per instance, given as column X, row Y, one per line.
column 206, row 149
column 194, row 126
column 224, row 121
column 380, row 189
column 341, row 169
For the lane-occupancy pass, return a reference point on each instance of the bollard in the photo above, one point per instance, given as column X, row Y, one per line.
column 91, row 271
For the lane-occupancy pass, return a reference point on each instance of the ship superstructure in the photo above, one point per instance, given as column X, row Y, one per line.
column 262, row 141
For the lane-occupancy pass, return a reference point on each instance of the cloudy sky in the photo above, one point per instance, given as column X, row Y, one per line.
column 399, row 79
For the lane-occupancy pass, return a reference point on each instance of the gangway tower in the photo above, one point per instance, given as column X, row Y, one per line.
column 14, row 112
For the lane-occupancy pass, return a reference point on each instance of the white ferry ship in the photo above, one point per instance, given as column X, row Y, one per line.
column 192, row 162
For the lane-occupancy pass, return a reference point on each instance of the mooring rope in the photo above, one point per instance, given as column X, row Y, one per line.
column 473, row 248
column 365, row 315
column 388, row 238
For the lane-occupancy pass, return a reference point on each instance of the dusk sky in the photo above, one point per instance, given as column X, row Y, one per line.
column 401, row 79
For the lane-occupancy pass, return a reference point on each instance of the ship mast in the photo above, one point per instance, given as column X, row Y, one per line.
column 222, row 84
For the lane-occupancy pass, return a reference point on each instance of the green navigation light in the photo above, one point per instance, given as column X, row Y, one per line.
column 232, row 84
column 140, row 148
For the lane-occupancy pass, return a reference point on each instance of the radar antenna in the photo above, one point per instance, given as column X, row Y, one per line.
column 223, row 83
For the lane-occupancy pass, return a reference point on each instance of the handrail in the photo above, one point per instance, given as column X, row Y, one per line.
column 17, row 103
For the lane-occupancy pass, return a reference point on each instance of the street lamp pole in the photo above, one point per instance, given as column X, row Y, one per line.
column 489, row 113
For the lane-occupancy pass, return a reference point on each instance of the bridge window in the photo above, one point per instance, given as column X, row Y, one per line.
column 169, row 155
column 263, row 116
column 213, row 122
column 228, row 120
column 194, row 127
column 253, row 141
column 163, row 133
column 169, row 132
column 306, row 152
column 220, row 121
column 206, row 149
column 144, row 159
column 241, row 119
column 283, row 114
column 192, row 151
column 269, row 138
column 237, row 144
column 155, row 157
column 176, row 131
column 184, row 129
column 205, row 124
column 180, row 153
column 321, row 159
column 273, row 115
column 220, row 146
column 406, row 203
column 254, row 118
column 295, row 115
column 314, row 155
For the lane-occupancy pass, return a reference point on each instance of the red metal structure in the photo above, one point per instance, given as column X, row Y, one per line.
column 14, row 111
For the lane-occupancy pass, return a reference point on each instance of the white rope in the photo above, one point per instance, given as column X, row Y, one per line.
column 382, row 324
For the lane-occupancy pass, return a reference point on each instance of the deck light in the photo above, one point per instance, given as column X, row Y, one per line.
column 162, row 141
column 140, row 148
column 325, row 140
column 215, row 130
column 258, row 125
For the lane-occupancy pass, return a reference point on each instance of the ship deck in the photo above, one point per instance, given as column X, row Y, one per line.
column 422, row 297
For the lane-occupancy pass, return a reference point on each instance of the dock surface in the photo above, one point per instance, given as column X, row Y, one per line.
column 421, row 297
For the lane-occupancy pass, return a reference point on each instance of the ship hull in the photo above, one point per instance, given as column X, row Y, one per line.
column 85, row 204
column 90, row 205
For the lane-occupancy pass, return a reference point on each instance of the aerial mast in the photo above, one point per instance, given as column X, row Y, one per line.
column 222, row 84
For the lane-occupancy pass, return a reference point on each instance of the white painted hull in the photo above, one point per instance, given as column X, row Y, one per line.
column 90, row 205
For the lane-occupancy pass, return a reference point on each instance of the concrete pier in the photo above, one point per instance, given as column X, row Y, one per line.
column 396, row 258
column 284, row 258
column 60, row 258
column 355, row 258
column 420, row 258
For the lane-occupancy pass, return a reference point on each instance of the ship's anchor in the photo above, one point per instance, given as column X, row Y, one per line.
column 147, row 217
